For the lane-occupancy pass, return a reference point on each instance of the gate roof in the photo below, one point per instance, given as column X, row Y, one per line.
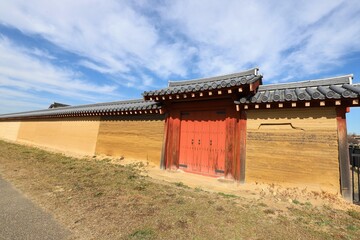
column 225, row 82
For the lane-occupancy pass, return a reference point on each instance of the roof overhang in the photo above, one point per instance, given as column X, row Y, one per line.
column 336, row 91
column 241, row 83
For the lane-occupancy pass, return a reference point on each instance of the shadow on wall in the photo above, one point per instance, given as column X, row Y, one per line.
column 157, row 117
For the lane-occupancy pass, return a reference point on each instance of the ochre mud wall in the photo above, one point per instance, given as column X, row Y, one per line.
column 296, row 146
column 9, row 130
column 135, row 137
column 75, row 135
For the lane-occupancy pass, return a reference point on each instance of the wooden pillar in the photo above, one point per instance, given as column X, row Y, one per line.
column 230, row 146
column 242, row 142
column 163, row 149
column 172, row 141
column 344, row 160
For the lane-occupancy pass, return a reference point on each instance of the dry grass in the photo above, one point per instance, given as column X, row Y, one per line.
column 99, row 200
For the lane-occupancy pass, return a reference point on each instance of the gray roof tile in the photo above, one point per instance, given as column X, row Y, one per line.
column 226, row 81
column 328, row 88
column 129, row 105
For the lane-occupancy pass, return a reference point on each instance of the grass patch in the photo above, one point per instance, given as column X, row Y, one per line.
column 351, row 228
column 143, row 234
column 261, row 204
column 269, row 211
column 181, row 185
column 354, row 214
column 101, row 200
column 226, row 195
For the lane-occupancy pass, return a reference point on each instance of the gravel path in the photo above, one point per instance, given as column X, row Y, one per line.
column 22, row 219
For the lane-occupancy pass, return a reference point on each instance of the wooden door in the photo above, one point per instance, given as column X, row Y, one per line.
column 202, row 142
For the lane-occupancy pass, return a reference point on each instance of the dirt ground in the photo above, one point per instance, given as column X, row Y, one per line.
column 103, row 198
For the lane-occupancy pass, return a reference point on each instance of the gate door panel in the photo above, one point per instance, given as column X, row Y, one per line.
column 202, row 142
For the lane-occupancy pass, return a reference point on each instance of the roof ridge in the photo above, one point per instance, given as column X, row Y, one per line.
column 251, row 71
column 139, row 100
column 310, row 83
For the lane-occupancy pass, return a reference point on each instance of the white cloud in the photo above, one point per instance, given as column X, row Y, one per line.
column 141, row 44
column 111, row 33
column 27, row 77
column 287, row 38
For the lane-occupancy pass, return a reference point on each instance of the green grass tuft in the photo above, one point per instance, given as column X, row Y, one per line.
column 226, row 195
column 143, row 234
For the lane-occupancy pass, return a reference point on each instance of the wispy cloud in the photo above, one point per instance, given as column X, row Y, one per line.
column 180, row 38
column 140, row 45
column 111, row 33
column 31, row 77
column 291, row 38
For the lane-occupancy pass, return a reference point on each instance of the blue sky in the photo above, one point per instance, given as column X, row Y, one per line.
column 88, row 51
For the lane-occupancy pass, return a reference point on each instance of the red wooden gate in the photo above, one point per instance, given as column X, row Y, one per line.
column 202, row 142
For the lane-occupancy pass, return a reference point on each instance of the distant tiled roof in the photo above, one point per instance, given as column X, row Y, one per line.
column 204, row 84
column 57, row 105
column 91, row 109
column 329, row 88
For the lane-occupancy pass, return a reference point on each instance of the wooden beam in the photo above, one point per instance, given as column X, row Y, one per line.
column 254, row 86
column 344, row 160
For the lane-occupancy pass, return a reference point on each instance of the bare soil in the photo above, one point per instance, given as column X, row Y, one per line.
column 97, row 199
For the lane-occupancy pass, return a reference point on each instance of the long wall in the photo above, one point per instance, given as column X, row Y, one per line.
column 135, row 137
column 296, row 146
column 76, row 135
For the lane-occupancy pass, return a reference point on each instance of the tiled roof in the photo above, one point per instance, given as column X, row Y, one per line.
column 329, row 88
column 204, row 84
column 57, row 105
column 98, row 108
